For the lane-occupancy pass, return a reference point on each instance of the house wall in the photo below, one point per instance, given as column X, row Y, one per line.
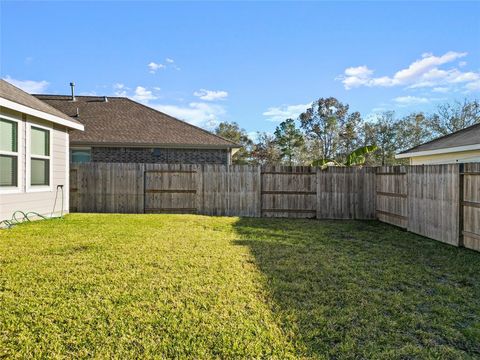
column 450, row 158
column 164, row 155
column 34, row 199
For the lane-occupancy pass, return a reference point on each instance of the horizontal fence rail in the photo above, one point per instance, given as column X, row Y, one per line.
column 441, row 202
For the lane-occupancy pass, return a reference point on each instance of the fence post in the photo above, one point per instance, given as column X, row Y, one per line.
column 461, row 242
column 143, row 169
column 260, row 169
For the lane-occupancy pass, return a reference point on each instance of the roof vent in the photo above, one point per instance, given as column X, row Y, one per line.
column 72, row 86
column 78, row 113
column 105, row 99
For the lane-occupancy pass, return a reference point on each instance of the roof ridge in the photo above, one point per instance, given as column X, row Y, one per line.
column 81, row 96
column 440, row 137
column 184, row 122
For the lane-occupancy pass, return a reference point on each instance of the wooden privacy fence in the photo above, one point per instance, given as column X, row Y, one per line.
column 438, row 201
column 441, row 202
column 236, row 190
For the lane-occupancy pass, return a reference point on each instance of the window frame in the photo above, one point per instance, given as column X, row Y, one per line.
column 79, row 148
column 30, row 156
column 18, row 154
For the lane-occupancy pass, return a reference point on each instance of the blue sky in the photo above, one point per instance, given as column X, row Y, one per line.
column 255, row 63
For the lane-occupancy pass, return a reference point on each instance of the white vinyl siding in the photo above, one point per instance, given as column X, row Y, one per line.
column 447, row 158
column 27, row 198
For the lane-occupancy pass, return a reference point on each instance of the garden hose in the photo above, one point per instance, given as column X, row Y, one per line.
column 28, row 216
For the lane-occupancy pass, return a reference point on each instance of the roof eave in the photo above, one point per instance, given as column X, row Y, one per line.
column 153, row 145
column 40, row 114
column 407, row 154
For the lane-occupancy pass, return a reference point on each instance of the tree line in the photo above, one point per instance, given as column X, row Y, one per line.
column 329, row 132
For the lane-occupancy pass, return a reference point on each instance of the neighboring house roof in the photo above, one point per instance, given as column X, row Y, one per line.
column 14, row 98
column 462, row 140
column 119, row 121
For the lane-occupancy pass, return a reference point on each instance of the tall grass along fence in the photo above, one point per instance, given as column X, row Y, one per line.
column 441, row 202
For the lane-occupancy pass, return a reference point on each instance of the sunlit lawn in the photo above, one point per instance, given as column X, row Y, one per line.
column 130, row 286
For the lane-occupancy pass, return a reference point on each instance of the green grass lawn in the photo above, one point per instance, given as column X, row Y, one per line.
column 130, row 286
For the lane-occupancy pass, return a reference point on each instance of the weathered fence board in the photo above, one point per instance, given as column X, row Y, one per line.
column 170, row 188
column 433, row 201
column 106, row 187
column 346, row 193
column 391, row 195
column 230, row 190
column 471, row 206
column 244, row 183
column 288, row 191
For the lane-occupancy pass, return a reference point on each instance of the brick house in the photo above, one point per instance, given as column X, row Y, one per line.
column 118, row 129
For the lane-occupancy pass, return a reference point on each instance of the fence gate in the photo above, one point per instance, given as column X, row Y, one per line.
column 170, row 189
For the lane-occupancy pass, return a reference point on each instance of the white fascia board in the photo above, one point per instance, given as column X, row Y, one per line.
column 40, row 114
column 438, row 151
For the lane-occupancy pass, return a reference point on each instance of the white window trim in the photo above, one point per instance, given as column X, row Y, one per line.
column 18, row 154
column 38, row 188
column 66, row 186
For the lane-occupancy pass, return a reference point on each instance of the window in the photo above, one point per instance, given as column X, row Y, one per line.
column 40, row 157
column 8, row 153
column 80, row 155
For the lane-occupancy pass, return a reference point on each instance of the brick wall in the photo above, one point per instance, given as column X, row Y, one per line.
column 164, row 156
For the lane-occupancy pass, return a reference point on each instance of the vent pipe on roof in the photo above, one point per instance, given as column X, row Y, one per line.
column 78, row 113
column 72, row 86
column 105, row 99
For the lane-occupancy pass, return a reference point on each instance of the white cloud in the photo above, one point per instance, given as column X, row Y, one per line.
column 424, row 72
column 283, row 112
column 196, row 113
column 356, row 76
column 440, row 89
column 30, row 86
column 120, row 89
column 202, row 114
column 360, row 71
column 410, row 100
column 473, row 86
column 153, row 66
column 169, row 62
column 211, row 95
column 143, row 95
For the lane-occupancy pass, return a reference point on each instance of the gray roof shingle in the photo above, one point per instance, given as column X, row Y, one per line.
column 464, row 137
column 121, row 121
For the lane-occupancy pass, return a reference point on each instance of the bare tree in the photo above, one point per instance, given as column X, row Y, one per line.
column 454, row 116
column 265, row 150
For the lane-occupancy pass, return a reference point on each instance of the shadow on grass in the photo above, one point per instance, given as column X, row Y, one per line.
column 366, row 289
